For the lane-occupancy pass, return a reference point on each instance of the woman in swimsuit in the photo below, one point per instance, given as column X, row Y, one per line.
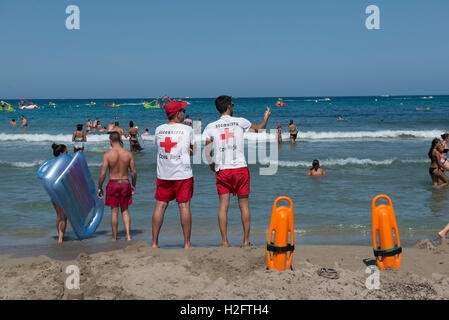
column 436, row 169
column 61, row 219
column 132, row 134
column 316, row 170
column 445, row 138
column 78, row 138
column 293, row 130
column 279, row 132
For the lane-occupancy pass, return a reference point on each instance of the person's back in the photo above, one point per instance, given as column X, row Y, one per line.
column 118, row 191
column 118, row 161
column 316, row 170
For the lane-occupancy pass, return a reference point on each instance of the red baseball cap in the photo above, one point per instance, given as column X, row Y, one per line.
column 174, row 106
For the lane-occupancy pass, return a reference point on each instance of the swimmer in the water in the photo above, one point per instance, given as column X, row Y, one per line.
column 436, row 169
column 316, row 170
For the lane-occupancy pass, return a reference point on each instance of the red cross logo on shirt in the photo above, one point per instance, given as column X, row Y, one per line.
column 227, row 135
column 168, row 145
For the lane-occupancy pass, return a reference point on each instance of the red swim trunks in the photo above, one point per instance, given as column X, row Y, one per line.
column 118, row 194
column 235, row 181
column 167, row 190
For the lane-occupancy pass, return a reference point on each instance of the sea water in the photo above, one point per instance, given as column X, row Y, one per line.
column 380, row 147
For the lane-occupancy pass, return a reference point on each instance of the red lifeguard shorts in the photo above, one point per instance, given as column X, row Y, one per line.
column 118, row 194
column 167, row 190
column 235, row 181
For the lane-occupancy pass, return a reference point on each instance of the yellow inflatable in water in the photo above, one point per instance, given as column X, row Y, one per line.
column 149, row 106
column 9, row 108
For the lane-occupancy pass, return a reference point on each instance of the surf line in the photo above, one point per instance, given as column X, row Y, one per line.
column 208, row 311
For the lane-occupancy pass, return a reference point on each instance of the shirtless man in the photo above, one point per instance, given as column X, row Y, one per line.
column 119, row 130
column 110, row 126
column 118, row 190
column 24, row 121
column 12, row 123
column 88, row 125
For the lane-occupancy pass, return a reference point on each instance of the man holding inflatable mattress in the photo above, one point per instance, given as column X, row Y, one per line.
column 175, row 145
column 225, row 138
column 118, row 191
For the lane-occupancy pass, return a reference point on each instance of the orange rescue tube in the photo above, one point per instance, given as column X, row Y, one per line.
column 384, row 224
column 281, row 224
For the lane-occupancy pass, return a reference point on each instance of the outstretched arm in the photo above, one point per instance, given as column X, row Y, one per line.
column 263, row 124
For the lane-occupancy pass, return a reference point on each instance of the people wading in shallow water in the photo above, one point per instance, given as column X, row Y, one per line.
column 78, row 139
column 436, row 169
column 132, row 134
column 293, row 130
column 316, row 170
column 279, row 132
column 61, row 219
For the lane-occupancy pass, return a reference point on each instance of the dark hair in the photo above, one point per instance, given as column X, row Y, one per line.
column 434, row 143
column 58, row 149
column 114, row 136
column 116, row 123
column 444, row 136
column 131, row 124
column 79, row 127
column 146, row 129
column 291, row 122
column 222, row 103
column 315, row 165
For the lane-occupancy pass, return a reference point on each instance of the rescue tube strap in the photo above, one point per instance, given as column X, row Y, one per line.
column 387, row 252
column 277, row 249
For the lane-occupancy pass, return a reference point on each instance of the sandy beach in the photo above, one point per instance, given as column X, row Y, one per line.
column 141, row 272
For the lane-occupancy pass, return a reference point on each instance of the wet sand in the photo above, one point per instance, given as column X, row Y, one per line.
column 141, row 272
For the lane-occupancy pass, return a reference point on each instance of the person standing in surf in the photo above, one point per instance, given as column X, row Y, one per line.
column 293, row 130
column 132, row 133
column 61, row 218
column 175, row 145
column 436, row 169
column 78, row 139
column 119, row 191
column 224, row 138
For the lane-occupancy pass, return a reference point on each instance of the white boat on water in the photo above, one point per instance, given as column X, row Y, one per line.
column 31, row 106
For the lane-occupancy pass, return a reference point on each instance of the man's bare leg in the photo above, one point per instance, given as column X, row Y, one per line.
column 223, row 218
column 127, row 222
column 186, row 222
column 158, row 219
column 442, row 234
column 114, row 222
column 246, row 218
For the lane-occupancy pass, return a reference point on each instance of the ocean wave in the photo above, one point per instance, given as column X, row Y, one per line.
column 35, row 163
column 344, row 162
column 21, row 164
column 249, row 136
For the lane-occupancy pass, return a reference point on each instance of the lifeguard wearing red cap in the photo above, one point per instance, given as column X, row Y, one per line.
column 174, row 106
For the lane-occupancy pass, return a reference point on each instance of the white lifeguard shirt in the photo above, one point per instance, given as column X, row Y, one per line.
column 228, row 142
column 173, row 151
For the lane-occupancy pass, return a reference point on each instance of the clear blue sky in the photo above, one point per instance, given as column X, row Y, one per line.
column 203, row 48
